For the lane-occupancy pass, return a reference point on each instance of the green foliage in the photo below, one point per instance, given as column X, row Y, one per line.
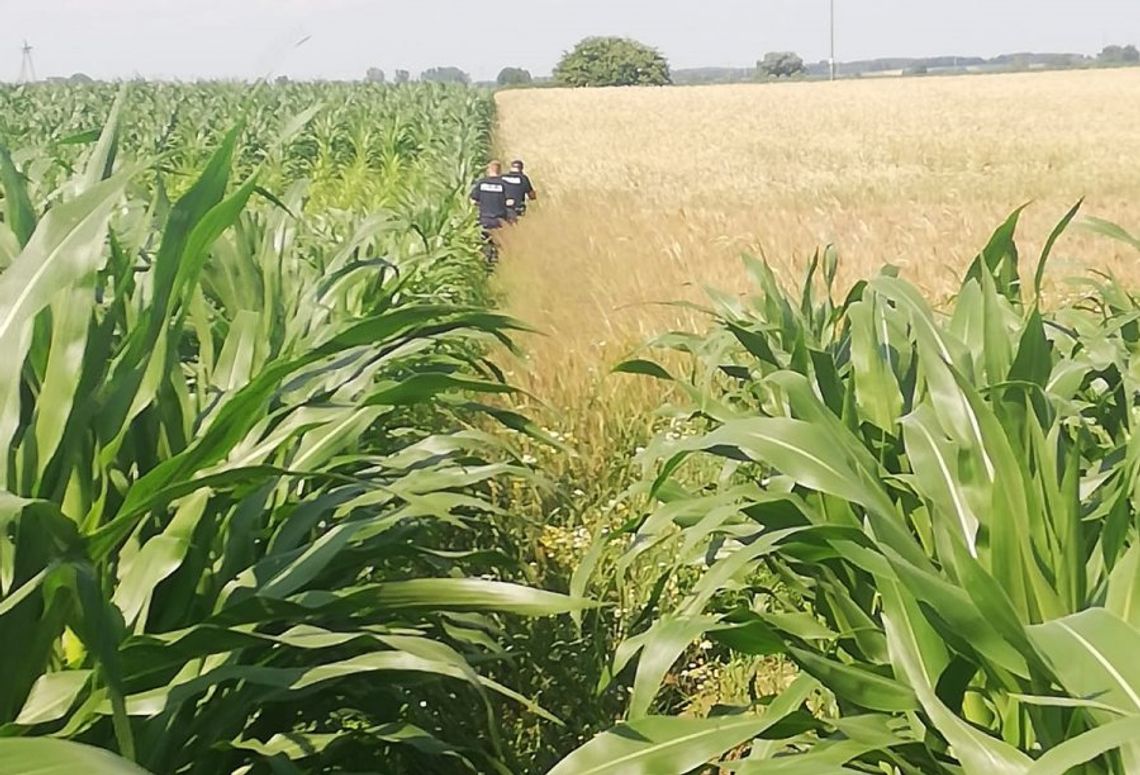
column 951, row 497
column 247, row 513
column 612, row 62
column 781, row 64
column 361, row 151
column 514, row 76
column 1119, row 55
column 58, row 757
column 452, row 75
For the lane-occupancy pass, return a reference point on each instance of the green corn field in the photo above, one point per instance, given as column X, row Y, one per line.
column 269, row 505
column 241, row 434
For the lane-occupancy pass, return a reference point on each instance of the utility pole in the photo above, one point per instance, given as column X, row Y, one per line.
column 27, row 66
column 833, row 40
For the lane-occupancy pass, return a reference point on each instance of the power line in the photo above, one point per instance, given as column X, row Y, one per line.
column 832, row 62
column 27, row 65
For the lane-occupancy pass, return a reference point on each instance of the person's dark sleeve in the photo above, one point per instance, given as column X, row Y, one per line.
column 475, row 193
column 528, row 188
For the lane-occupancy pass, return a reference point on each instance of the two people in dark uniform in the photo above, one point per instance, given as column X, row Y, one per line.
column 502, row 199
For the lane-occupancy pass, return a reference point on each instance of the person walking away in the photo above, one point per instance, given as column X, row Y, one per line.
column 489, row 195
column 519, row 189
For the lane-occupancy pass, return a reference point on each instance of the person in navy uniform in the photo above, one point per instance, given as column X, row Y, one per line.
column 489, row 194
column 519, row 189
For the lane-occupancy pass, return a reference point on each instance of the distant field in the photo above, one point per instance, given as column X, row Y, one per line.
column 652, row 193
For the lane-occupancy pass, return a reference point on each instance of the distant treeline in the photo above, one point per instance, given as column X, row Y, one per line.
column 915, row 66
column 629, row 63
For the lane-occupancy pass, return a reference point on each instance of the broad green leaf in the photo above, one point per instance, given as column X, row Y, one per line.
column 962, row 613
column 1013, row 523
column 476, row 595
column 20, row 216
column 644, row 368
column 918, row 653
column 303, row 745
column 66, row 246
column 1111, row 230
column 807, row 453
column 664, row 643
column 998, row 262
column 1033, row 362
column 71, row 313
column 52, row 696
column 876, row 389
column 1071, row 754
column 236, row 360
column 44, row 756
column 662, row 745
column 1047, row 251
column 158, row 558
column 101, row 163
column 1094, row 655
column 825, row 758
column 856, row 685
column 934, row 459
column 1124, row 588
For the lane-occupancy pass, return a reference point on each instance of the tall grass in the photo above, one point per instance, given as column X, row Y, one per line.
column 651, row 196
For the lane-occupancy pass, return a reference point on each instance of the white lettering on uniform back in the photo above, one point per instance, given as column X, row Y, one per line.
column 513, row 181
column 493, row 188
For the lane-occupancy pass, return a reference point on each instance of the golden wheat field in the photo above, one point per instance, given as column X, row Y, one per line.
column 650, row 194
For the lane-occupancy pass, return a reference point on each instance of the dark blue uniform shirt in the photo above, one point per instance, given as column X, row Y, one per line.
column 490, row 194
column 518, row 187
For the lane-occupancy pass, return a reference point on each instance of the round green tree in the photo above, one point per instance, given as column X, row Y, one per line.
column 514, row 76
column 612, row 62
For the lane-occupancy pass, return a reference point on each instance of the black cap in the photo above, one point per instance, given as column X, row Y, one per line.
column 517, row 163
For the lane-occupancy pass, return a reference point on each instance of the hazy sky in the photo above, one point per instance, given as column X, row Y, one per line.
column 251, row 38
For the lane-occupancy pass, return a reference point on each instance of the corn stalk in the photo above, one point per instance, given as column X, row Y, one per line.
column 933, row 515
column 238, row 453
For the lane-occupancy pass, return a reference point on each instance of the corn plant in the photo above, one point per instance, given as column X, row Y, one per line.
column 365, row 147
column 238, row 469
column 931, row 513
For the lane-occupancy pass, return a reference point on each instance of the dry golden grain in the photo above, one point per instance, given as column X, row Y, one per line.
column 651, row 194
